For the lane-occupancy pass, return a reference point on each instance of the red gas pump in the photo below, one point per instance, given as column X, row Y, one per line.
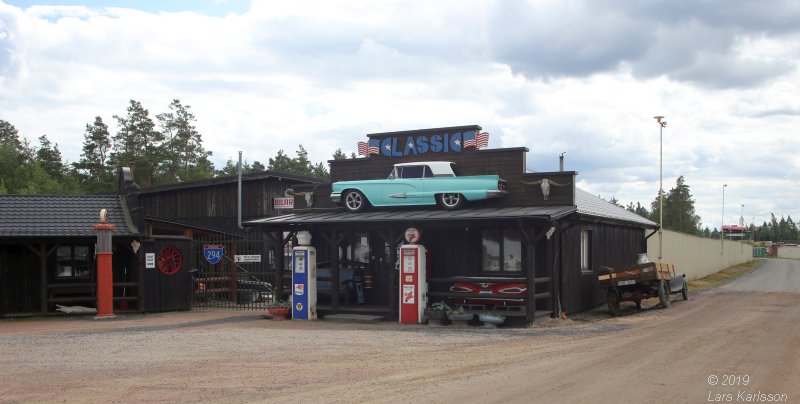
column 413, row 282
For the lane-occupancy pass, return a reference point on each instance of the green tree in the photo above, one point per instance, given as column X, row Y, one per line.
column 281, row 163
column 48, row 156
column 679, row 213
column 300, row 165
column 185, row 158
column 138, row 143
column 339, row 155
column 95, row 173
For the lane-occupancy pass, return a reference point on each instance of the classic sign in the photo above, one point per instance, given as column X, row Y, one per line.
column 423, row 144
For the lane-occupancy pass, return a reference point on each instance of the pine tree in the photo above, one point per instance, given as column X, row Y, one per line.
column 94, row 165
column 185, row 158
column 138, row 142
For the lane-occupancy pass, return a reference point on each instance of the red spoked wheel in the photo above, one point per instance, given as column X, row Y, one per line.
column 169, row 260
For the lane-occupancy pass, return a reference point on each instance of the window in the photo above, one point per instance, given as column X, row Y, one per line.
column 502, row 251
column 412, row 171
column 586, row 251
column 72, row 262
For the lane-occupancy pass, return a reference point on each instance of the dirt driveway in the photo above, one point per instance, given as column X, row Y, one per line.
column 687, row 353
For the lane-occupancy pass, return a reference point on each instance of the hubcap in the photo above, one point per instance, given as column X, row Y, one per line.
column 450, row 199
column 353, row 200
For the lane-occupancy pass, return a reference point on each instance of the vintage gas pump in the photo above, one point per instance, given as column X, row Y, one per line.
column 413, row 285
column 304, row 279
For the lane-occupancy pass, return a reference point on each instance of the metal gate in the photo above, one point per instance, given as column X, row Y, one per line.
column 234, row 273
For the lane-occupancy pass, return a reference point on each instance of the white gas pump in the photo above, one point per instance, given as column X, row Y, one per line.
column 304, row 279
column 413, row 283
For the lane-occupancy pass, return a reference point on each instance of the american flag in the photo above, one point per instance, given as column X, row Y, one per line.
column 482, row 139
column 362, row 149
column 469, row 139
column 374, row 145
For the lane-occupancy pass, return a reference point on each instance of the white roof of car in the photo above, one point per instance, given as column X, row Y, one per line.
column 437, row 167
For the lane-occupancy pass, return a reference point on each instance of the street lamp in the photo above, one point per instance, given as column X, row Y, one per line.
column 661, row 124
column 722, row 225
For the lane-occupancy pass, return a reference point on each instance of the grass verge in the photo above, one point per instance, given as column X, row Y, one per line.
column 724, row 275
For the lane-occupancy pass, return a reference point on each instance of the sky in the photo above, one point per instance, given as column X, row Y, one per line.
column 581, row 77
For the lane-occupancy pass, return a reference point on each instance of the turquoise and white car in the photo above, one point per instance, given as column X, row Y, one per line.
column 421, row 183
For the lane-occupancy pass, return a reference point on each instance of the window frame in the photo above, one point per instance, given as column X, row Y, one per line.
column 504, row 264
column 74, row 260
column 585, row 251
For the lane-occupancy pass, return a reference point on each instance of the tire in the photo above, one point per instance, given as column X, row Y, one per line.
column 354, row 201
column 685, row 290
column 612, row 299
column 450, row 200
column 663, row 293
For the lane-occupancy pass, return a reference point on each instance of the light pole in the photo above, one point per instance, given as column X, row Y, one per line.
column 661, row 124
column 722, row 225
column 741, row 224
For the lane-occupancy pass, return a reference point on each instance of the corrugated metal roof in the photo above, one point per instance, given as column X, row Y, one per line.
column 430, row 215
column 59, row 216
column 591, row 205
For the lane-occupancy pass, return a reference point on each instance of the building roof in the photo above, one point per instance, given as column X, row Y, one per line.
column 232, row 179
column 61, row 216
column 429, row 215
column 591, row 205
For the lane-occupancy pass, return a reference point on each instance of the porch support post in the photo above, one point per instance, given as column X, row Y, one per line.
column 530, row 269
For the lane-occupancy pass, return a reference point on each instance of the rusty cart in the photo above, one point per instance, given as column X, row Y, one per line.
column 639, row 282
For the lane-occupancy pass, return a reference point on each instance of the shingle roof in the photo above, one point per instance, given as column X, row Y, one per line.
column 60, row 216
column 591, row 205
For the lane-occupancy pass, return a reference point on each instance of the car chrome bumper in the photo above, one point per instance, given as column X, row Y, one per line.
column 495, row 193
column 336, row 198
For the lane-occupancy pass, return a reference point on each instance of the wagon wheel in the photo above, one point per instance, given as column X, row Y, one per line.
column 612, row 298
column 451, row 200
column 685, row 290
column 663, row 293
column 169, row 260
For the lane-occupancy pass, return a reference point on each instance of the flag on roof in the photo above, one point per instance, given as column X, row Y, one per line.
column 469, row 139
column 482, row 140
column 362, row 149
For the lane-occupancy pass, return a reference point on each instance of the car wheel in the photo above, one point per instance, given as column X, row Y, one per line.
column 451, row 200
column 354, row 201
column 612, row 299
column 663, row 293
column 685, row 290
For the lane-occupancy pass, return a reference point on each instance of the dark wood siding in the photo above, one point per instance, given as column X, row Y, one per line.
column 216, row 206
column 611, row 245
column 509, row 164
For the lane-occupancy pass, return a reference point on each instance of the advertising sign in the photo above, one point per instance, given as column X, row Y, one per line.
column 150, row 260
column 247, row 258
column 283, row 203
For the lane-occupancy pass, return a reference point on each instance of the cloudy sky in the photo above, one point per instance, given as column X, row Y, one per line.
column 581, row 77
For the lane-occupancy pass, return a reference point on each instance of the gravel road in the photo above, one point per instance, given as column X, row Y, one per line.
column 747, row 329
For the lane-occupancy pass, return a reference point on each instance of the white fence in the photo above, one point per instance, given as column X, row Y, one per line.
column 698, row 257
column 787, row 251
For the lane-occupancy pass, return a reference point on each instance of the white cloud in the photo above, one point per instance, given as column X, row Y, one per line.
column 584, row 78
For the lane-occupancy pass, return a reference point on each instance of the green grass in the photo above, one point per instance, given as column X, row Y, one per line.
column 724, row 275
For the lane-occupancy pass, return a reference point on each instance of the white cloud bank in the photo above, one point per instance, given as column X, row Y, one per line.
column 584, row 78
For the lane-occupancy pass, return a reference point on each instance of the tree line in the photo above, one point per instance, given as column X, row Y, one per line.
column 679, row 215
column 164, row 149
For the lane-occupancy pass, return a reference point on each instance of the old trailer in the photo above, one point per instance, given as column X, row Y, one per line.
column 639, row 282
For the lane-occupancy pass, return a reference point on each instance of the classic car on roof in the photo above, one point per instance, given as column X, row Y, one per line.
column 421, row 183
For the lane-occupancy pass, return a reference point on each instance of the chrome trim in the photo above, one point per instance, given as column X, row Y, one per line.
column 402, row 195
column 336, row 197
column 495, row 193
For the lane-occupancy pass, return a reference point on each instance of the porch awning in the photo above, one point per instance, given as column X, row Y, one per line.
column 548, row 213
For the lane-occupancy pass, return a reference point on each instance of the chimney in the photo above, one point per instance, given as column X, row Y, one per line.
column 561, row 161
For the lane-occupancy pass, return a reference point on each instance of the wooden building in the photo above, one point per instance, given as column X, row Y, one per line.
column 545, row 239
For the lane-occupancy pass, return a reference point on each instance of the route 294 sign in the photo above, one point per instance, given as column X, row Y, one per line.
column 213, row 252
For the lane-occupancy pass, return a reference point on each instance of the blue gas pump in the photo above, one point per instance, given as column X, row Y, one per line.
column 304, row 283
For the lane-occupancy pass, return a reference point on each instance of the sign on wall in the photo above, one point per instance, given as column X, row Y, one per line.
column 150, row 260
column 283, row 203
